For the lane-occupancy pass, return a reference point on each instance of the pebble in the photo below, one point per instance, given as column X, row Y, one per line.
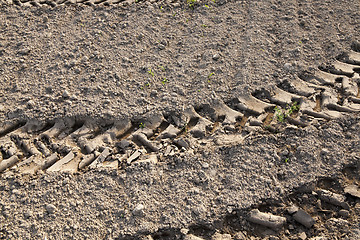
column 240, row 236
column 184, row 231
column 205, row 165
column 123, row 144
column 353, row 190
column 292, row 209
column 218, row 236
column 15, row 191
column 344, row 213
column 66, row 94
column 273, row 238
column 139, row 209
column 266, row 219
column 30, row 104
column 28, row 214
column 304, row 218
column 50, row 208
column 181, row 142
column 288, row 66
column 284, row 153
column 325, row 151
column 216, row 56
column 192, row 237
column 302, row 236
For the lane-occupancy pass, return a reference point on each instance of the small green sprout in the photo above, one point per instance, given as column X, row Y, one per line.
column 162, row 68
column 185, row 128
column 161, row 8
column 164, row 81
column 286, row 160
column 206, row 6
column 281, row 115
column 191, row 3
column 211, row 74
column 141, row 125
column 293, row 108
column 150, row 72
column 174, row 14
column 204, row 25
column 187, row 20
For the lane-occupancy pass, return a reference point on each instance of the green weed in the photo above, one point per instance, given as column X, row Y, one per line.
column 162, row 68
column 164, row 81
column 141, row 125
column 150, row 72
column 281, row 114
column 191, row 3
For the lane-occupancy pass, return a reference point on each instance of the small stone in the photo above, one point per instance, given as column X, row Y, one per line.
column 302, row 236
column 291, row 227
column 218, row 236
column 161, row 46
column 266, row 219
column 50, row 208
column 15, row 191
column 192, row 237
column 216, row 56
column 30, row 104
column 324, row 151
column 153, row 93
column 344, row 213
column 230, row 128
column 353, row 190
column 66, row 94
column 288, row 66
column 123, row 144
column 273, row 238
column 333, row 198
column 284, row 153
column 139, row 209
column 205, row 165
column 184, row 231
column 181, row 142
column 304, row 218
column 239, row 236
column 134, row 156
column 292, row 209
column 28, row 214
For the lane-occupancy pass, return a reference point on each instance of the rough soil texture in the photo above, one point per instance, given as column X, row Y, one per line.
column 112, row 62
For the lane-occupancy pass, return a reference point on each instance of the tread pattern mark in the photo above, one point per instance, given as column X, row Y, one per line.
column 73, row 145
